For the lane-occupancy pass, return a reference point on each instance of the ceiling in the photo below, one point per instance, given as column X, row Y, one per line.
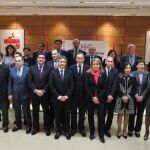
column 76, row 7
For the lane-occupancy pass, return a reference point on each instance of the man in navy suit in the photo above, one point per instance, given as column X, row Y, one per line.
column 38, row 82
column 18, row 92
column 61, row 85
column 71, row 54
column 92, row 54
column 131, row 57
column 112, row 76
column 78, row 96
column 41, row 48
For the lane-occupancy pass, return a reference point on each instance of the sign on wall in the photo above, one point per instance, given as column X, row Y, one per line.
column 101, row 46
column 11, row 36
column 147, row 50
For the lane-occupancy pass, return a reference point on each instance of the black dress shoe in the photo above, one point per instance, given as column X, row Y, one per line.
column 137, row 134
column 73, row 132
column 68, row 136
column 146, row 136
column 57, row 135
column 82, row 133
column 102, row 140
column 16, row 129
column 107, row 133
column 33, row 132
column 5, row 129
column 28, row 130
column 47, row 132
column 130, row 134
column 91, row 136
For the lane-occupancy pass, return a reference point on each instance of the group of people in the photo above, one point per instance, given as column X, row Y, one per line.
column 67, row 82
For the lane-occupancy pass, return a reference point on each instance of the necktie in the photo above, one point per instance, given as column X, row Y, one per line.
column 55, row 64
column 131, row 60
column 108, row 73
column 19, row 73
column 80, row 71
column 40, row 71
column 62, row 74
column 75, row 53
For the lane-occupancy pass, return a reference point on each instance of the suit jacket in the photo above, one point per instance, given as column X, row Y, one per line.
column 126, row 59
column 18, row 87
column 35, row 82
column 141, row 88
column 111, row 82
column 47, row 55
column 92, row 89
column 50, row 64
column 70, row 56
column 4, row 75
column 79, row 90
column 87, row 59
column 61, row 87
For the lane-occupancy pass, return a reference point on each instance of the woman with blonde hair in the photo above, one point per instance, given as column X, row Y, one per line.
column 95, row 88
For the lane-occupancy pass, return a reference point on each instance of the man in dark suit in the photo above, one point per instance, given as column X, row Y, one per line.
column 61, row 85
column 18, row 92
column 78, row 95
column 71, row 54
column 38, row 82
column 27, row 59
column 92, row 54
column 112, row 75
column 4, row 74
column 41, row 48
column 140, row 99
column 131, row 57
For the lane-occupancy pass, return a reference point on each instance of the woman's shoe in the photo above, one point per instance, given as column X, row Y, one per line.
column 125, row 135
column 118, row 135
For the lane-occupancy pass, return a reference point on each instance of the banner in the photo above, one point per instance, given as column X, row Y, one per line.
column 101, row 46
column 14, row 37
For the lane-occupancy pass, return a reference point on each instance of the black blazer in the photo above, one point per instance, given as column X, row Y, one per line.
column 87, row 59
column 50, row 65
column 141, row 88
column 4, row 75
column 34, row 79
column 111, row 82
column 79, row 90
column 91, row 87
column 71, row 59
column 47, row 55
column 126, row 59
column 59, row 87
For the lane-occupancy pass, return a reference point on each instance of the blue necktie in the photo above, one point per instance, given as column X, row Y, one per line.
column 62, row 74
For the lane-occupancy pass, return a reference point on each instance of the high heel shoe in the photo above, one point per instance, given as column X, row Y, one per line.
column 124, row 135
column 118, row 135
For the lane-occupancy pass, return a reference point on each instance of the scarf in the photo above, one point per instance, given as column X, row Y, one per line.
column 95, row 75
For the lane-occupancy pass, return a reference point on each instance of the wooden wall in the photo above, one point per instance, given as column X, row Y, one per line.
column 111, row 29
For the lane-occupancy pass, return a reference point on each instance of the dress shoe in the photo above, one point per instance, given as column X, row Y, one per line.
column 28, row 130
column 34, row 131
column 5, row 129
column 91, row 136
column 125, row 135
column 130, row 134
column 102, row 140
column 107, row 133
column 137, row 134
column 82, row 133
column 16, row 129
column 57, row 135
column 68, row 136
column 47, row 132
column 73, row 132
column 146, row 136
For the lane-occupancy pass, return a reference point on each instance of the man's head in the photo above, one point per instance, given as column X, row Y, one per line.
column 58, row 44
column 41, row 58
column 109, row 62
column 41, row 47
column 131, row 49
column 76, row 43
column 55, row 54
column 19, row 62
column 92, row 50
column 26, row 51
column 80, row 58
column 140, row 65
column 62, row 62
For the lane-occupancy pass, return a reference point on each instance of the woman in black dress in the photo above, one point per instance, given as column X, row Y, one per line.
column 124, row 103
column 95, row 83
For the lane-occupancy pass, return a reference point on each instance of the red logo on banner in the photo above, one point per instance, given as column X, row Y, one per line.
column 13, row 41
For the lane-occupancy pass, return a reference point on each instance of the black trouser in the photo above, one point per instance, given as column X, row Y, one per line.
column 36, row 101
column 52, row 115
column 80, row 104
column 100, row 116
column 26, row 109
column 109, row 112
column 136, row 125
column 62, row 115
column 4, row 107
